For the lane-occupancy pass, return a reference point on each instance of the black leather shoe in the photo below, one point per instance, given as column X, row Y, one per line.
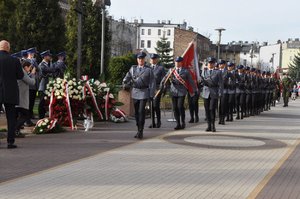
column 18, row 134
column 152, row 126
column 208, row 129
column 29, row 124
column 158, row 124
column 213, row 129
column 191, row 120
column 177, row 127
column 11, row 146
column 197, row 120
column 140, row 136
column 136, row 135
column 183, row 126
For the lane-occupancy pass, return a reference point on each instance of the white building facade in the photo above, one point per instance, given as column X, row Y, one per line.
column 150, row 33
column 269, row 57
column 249, row 55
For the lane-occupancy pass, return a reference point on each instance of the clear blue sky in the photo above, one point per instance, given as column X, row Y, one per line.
column 246, row 20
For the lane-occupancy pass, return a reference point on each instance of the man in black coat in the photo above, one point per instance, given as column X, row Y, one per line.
column 10, row 72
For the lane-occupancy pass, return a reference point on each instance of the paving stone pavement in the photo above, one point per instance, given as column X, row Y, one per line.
column 192, row 168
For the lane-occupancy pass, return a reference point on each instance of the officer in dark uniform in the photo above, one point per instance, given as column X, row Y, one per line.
column 268, row 91
column 46, row 71
column 248, row 92
column 60, row 64
column 193, row 100
column 263, row 91
column 180, row 80
column 231, row 88
column 258, row 91
column 223, row 105
column 254, row 87
column 212, row 90
column 240, row 92
column 286, row 89
column 141, row 78
column 159, row 73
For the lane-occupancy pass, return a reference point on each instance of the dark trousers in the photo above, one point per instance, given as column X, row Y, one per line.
column 223, row 106
column 254, row 104
column 240, row 104
column 194, row 106
column 156, row 108
column 178, row 108
column 10, row 111
column 23, row 115
column 210, row 106
column 42, row 110
column 231, row 99
column 32, row 96
column 139, row 110
column 248, row 104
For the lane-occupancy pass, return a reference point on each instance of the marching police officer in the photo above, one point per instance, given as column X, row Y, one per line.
column 240, row 92
column 248, row 91
column 141, row 78
column 180, row 79
column 212, row 90
column 224, row 98
column 159, row 73
column 254, row 93
column 231, row 88
column 46, row 71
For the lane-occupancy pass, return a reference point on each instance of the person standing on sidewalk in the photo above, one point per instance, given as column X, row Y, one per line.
column 10, row 72
column 180, row 79
column 46, row 71
column 32, row 88
column 212, row 91
column 286, row 89
column 141, row 78
column 22, row 109
column 159, row 72
column 231, row 87
column 223, row 104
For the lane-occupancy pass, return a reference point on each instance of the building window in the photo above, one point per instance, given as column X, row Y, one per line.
column 169, row 32
column 159, row 32
column 148, row 44
column 142, row 44
column 143, row 31
column 169, row 43
column 149, row 31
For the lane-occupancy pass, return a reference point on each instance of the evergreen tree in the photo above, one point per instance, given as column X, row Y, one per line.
column 7, row 7
column 164, row 51
column 37, row 23
column 91, row 38
column 294, row 68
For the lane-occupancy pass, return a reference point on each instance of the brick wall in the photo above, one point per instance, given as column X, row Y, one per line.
column 182, row 38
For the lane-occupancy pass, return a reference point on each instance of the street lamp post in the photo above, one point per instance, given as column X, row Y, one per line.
column 219, row 43
column 101, row 4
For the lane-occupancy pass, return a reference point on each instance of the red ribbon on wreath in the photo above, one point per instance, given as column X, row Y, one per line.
column 89, row 88
column 68, row 105
column 106, row 105
column 51, row 104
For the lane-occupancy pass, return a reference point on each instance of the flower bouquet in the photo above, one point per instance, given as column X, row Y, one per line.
column 118, row 116
column 47, row 125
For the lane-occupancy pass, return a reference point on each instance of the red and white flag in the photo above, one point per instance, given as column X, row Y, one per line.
column 190, row 62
